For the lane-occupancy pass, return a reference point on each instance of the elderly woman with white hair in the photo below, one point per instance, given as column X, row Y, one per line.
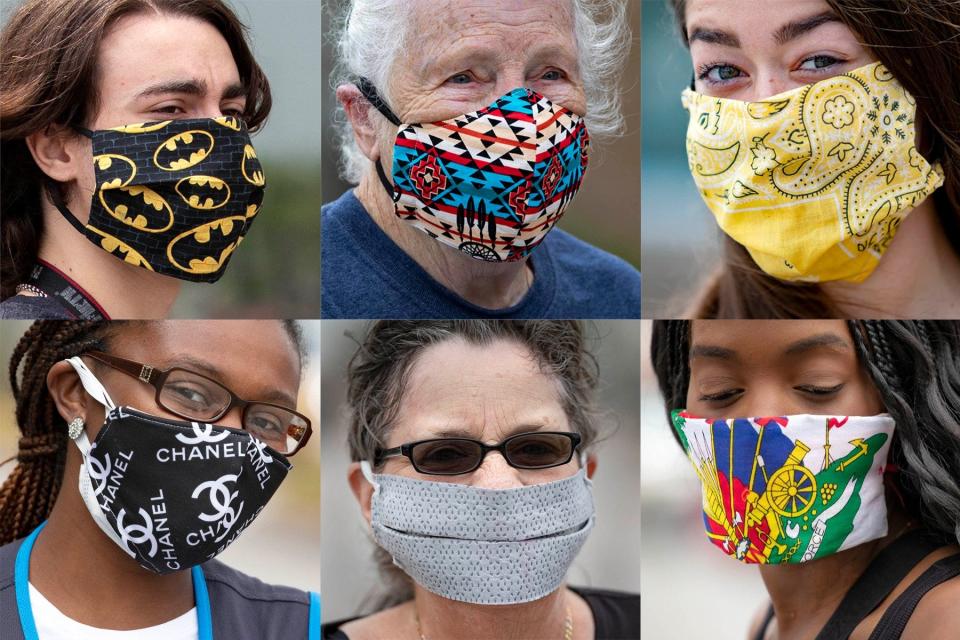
column 465, row 130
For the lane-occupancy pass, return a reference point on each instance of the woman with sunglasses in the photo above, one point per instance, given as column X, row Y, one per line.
column 829, row 456
column 146, row 448
column 470, row 443
column 824, row 137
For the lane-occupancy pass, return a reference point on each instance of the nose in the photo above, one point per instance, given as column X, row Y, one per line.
column 495, row 473
column 765, row 400
column 232, row 418
column 770, row 83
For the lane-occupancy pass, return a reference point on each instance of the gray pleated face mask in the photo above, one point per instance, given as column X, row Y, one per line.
column 483, row 546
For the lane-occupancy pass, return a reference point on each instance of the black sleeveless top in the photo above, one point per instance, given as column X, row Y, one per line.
column 881, row 577
column 616, row 616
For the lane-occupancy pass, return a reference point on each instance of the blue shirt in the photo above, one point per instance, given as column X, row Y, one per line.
column 366, row 275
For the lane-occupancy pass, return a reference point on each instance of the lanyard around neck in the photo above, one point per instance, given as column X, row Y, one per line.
column 21, row 581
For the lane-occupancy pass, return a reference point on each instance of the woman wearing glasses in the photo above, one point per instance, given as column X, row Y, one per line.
column 471, row 446
column 146, row 448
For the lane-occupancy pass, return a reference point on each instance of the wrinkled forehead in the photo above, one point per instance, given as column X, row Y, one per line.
column 502, row 30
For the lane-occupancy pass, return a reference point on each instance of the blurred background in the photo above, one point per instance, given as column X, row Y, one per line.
column 606, row 211
column 282, row 546
column 690, row 589
column 276, row 273
column 680, row 238
column 611, row 556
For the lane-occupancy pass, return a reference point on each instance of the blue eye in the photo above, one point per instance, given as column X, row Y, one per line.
column 719, row 73
column 553, row 74
column 819, row 63
column 460, row 78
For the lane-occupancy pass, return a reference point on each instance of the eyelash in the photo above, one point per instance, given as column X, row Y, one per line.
column 813, row 390
column 471, row 78
column 704, row 70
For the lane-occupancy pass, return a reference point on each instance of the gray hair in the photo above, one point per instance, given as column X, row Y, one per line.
column 379, row 370
column 369, row 34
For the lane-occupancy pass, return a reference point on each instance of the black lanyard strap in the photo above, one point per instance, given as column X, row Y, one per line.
column 68, row 294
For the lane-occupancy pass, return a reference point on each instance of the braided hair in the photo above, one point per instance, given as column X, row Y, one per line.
column 30, row 491
column 915, row 367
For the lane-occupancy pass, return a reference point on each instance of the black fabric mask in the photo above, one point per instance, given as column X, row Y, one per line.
column 175, row 494
column 173, row 197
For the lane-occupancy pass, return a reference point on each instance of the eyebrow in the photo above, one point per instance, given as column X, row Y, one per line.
column 821, row 341
column 193, row 87
column 786, row 33
column 211, row 371
column 797, row 28
column 460, row 432
column 711, row 352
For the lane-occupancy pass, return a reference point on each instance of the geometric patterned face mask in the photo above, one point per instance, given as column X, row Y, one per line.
column 813, row 182
column 491, row 183
column 789, row 489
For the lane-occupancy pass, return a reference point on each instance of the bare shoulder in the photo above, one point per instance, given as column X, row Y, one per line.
column 937, row 616
column 382, row 624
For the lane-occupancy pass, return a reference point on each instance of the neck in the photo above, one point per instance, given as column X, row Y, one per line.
column 93, row 581
column 805, row 595
column 917, row 277
column 443, row 619
column 123, row 290
column 492, row 285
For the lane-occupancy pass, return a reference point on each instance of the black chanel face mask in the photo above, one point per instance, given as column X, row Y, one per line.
column 174, row 197
column 172, row 494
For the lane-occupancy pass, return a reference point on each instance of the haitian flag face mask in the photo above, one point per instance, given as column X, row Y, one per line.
column 491, row 183
column 789, row 489
column 171, row 494
column 174, row 197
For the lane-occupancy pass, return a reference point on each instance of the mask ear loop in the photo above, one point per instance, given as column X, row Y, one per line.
column 373, row 97
column 369, row 475
column 87, row 492
column 61, row 206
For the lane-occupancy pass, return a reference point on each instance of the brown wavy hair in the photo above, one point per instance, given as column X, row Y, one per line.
column 48, row 63
column 919, row 41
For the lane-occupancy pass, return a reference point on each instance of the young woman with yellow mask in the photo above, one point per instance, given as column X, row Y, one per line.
column 826, row 142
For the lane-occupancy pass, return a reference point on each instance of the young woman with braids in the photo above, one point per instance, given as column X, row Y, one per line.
column 847, row 494
column 95, row 223
column 836, row 181
column 178, row 443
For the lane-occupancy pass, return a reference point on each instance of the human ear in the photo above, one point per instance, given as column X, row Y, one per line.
column 591, row 465
column 361, row 487
column 68, row 394
column 358, row 109
column 58, row 152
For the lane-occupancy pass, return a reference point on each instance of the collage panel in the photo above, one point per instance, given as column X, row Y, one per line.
column 142, row 141
column 159, row 484
column 800, row 159
column 800, row 478
column 456, row 143
column 505, row 500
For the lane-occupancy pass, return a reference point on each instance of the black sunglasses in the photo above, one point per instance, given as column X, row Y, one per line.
column 455, row 456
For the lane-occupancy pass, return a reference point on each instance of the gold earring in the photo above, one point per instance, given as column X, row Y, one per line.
column 75, row 428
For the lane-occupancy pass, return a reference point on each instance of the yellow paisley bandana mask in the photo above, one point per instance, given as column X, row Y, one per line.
column 815, row 181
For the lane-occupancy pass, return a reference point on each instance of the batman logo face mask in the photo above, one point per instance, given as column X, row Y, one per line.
column 173, row 197
column 491, row 183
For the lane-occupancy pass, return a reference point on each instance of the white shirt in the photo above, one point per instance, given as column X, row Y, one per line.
column 53, row 625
